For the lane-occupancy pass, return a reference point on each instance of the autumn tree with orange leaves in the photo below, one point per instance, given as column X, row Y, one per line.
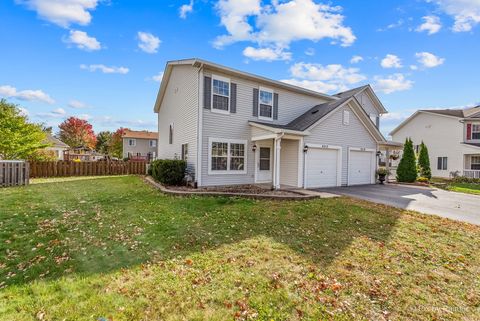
column 77, row 132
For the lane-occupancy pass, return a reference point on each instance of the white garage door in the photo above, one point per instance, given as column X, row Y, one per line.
column 360, row 167
column 321, row 167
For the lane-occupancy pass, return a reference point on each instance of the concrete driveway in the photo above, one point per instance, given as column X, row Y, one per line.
column 456, row 206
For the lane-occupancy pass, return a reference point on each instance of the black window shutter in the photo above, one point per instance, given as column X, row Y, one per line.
column 183, row 151
column 207, row 92
column 275, row 106
column 255, row 102
column 233, row 98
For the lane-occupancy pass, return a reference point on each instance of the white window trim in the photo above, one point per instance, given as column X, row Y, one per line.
column 219, row 111
column 472, row 163
column 134, row 142
column 228, row 141
column 154, row 143
column 475, row 131
column 258, row 107
column 443, row 163
column 346, row 117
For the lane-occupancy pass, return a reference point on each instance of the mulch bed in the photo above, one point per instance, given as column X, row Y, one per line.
column 235, row 189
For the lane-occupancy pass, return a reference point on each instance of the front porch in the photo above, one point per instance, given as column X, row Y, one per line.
column 471, row 166
column 389, row 157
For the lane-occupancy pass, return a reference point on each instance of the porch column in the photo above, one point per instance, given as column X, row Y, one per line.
column 387, row 162
column 276, row 163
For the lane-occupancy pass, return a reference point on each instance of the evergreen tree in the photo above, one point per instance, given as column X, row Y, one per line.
column 407, row 168
column 424, row 162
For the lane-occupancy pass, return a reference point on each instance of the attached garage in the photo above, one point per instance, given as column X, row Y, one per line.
column 361, row 166
column 323, row 166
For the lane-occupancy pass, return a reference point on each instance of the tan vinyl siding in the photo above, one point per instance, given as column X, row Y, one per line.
column 332, row 131
column 142, row 146
column 180, row 107
column 235, row 126
column 289, row 162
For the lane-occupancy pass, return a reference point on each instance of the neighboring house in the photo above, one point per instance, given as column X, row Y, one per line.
column 140, row 145
column 82, row 153
column 233, row 127
column 452, row 137
column 56, row 146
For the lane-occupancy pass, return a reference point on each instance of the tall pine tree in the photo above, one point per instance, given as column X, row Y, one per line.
column 407, row 168
column 424, row 162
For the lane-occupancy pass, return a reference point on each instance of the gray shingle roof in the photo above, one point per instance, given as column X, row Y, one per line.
column 310, row 117
column 473, row 144
column 55, row 142
column 351, row 92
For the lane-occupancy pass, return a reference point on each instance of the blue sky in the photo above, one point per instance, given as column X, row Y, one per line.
column 100, row 60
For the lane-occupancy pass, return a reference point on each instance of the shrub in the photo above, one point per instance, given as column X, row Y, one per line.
column 422, row 179
column 463, row 179
column 424, row 162
column 382, row 171
column 407, row 168
column 169, row 171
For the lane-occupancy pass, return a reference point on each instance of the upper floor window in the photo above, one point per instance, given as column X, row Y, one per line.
column 265, row 108
column 153, row 143
column 220, row 94
column 476, row 131
column 132, row 142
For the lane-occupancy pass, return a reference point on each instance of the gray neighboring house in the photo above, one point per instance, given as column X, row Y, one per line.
column 140, row 145
column 234, row 127
column 56, row 146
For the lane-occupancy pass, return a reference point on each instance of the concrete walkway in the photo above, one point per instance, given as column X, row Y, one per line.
column 456, row 206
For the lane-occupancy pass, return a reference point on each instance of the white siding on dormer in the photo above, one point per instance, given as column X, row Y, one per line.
column 367, row 103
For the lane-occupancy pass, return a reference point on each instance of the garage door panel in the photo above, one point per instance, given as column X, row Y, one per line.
column 360, row 167
column 322, row 169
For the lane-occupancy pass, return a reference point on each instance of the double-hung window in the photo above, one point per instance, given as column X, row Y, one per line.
column 153, row 143
column 475, row 163
column 220, row 94
column 475, row 131
column 442, row 163
column 227, row 156
column 132, row 142
column 265, row 105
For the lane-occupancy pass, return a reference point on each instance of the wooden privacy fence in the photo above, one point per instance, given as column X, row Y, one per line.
column 70, row 168
column 13, row 173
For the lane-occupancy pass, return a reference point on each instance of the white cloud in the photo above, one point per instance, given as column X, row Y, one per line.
column 281, row 23
column 28, row 95
column 186, row 9
column 77, row 104
column 267, row 54
column 83, row 41
column 310, row 52
column 62, row 12
column 321, row 78
column 429, row 60
column 413, row 67
column 105, row 69
column 24, row 111
column 465, row 12
column 158, row 77
column 148, row 42
column 392, row 83
column 356, row 59
column 431, row 24
column 56, row 113
column 391, row 61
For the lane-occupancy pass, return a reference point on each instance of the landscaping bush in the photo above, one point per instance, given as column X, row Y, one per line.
column 422, row 179
column 407, row 168
column 463, row 179
column 424, row 162
column 169, row 171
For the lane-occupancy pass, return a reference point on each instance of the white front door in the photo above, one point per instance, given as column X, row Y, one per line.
column 263, row 160
column 360, row 167
column 321, row 168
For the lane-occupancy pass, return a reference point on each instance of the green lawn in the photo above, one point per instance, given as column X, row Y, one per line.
column 468, row 188
column 116, row 249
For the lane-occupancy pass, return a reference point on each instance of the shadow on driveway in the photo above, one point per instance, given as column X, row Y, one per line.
column 457, row 206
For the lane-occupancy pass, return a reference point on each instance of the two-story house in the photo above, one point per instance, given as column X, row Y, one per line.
column 234, row 127
column 140, row 145
column 452, row 137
